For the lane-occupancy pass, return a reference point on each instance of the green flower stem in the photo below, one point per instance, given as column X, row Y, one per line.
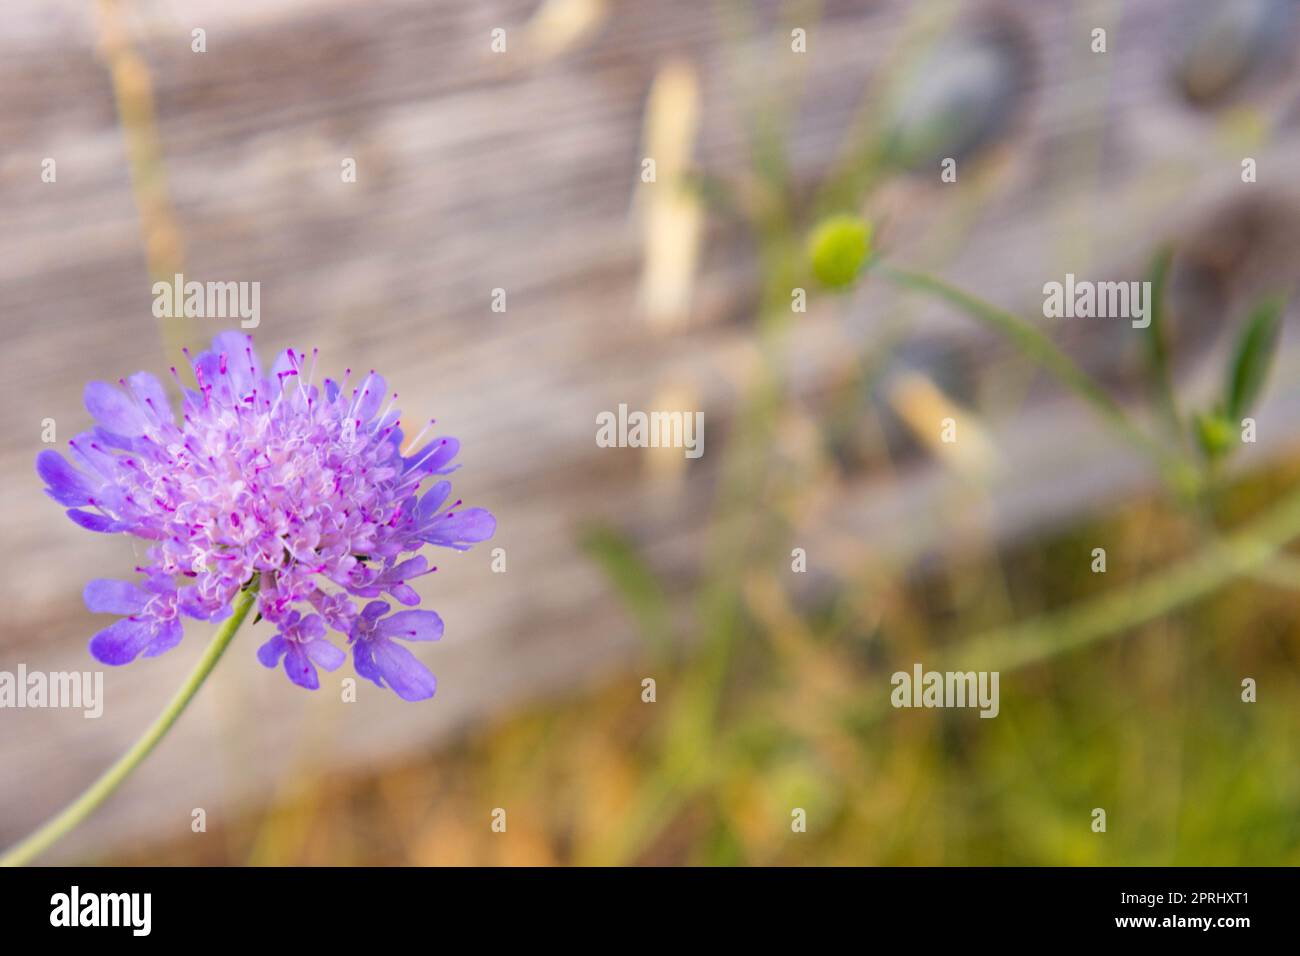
column 1041, row 349
column 99, row 791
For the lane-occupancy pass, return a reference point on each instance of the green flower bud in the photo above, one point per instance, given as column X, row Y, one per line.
column 838, row 248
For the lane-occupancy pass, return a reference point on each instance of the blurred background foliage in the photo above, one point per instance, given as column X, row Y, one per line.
column 772, row 686
column 1149, row 726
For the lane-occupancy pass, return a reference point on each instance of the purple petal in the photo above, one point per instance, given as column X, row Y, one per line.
column 389, row 421
column 242, row 365
column 325, row 654
column 156, row 582
column 373, row 390
column 411, row 568
column 65, row 484
column 432, row 500
column 403, row 593
column 167, row 635
column 192, row 603
column 112, row 409
column 363, row 660
column 311, row 628
column 86, row 452
column 300, row 668
column 433, row 459
column 112, row 439
column 460, row 529
column 404, row 674
column 207, row 369
column 122, row 641
column 93, row 521
column 149, row 393
column 374, row 610
column 106, row 596
column 271, row 652
column 411, row 626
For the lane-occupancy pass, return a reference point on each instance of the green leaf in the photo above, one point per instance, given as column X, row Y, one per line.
column 1157, row 337
column 633, row 579
column 1253, row 358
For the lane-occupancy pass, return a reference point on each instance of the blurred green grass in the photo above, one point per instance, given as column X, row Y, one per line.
column 1149, row 726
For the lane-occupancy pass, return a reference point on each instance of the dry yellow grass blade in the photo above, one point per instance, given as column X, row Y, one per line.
column 666, row 464
column 134, row 97
column 671, row 216
column 952, row 432
column 560, row 25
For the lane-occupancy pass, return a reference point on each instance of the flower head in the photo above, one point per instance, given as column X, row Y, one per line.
column 269, row 480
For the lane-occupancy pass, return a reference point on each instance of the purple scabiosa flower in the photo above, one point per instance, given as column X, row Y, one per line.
column 270, row 481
